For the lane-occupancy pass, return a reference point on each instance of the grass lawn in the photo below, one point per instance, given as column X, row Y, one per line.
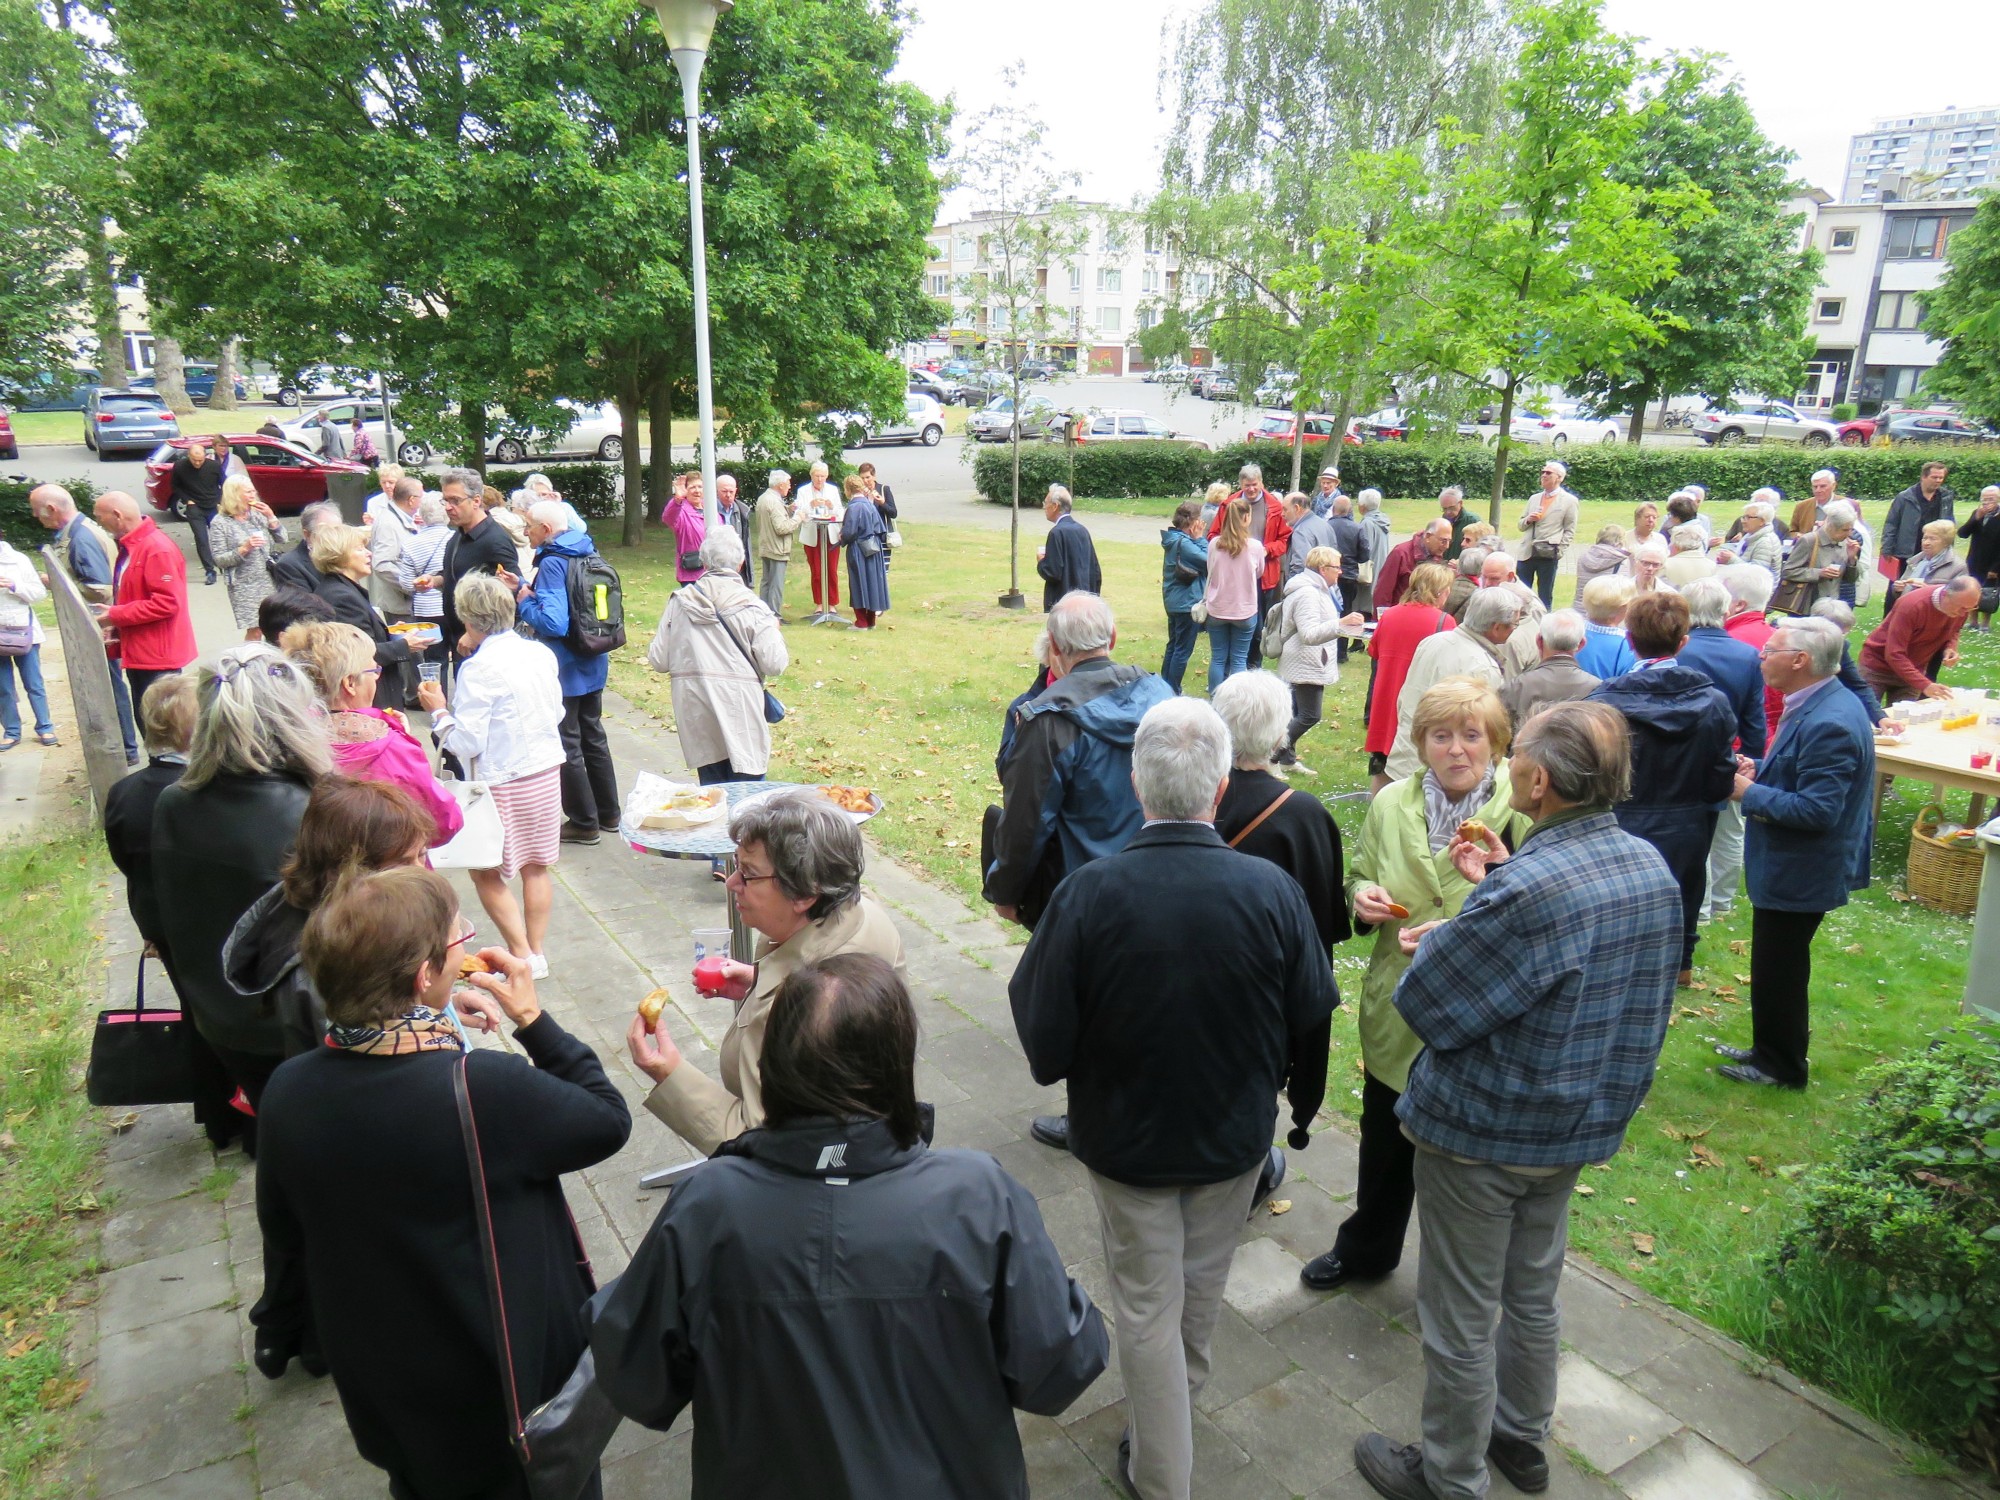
column 1703, row 1184
column 48, row 1155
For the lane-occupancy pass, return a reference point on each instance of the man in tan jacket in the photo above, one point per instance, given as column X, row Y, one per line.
column 1547, row 528
column 777, row 524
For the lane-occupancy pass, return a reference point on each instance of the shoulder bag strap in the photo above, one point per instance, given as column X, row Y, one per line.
column 482, row 1210
column 1258, row 822
column 723, row 620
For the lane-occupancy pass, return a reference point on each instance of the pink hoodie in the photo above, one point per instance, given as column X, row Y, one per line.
column 397, row 758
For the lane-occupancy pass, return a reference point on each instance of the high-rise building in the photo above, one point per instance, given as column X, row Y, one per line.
column 1908, row 158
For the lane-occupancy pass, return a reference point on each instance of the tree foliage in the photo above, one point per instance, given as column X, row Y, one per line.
column 1964, row 310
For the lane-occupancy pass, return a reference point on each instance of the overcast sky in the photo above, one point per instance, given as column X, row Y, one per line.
column 1815, row 75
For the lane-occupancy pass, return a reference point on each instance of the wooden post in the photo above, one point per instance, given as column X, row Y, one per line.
column 89, row 684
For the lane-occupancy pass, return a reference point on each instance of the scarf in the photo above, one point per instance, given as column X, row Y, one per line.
column 419, row 1029
column 1444, row 815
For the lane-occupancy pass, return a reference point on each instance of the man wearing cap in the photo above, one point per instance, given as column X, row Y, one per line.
column 1329, row 488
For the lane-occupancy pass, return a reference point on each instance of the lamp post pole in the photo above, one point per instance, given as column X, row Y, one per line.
column 688, row 25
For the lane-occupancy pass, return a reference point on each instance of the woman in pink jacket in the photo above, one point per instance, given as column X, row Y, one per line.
column 369, row 743
column 683, row 514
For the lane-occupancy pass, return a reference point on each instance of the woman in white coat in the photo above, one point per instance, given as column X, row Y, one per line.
column 21, row 649
column 1308, row 626
column 718, row 641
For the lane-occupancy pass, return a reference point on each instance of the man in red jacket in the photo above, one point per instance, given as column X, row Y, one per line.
column 146, row 625
column 1428, row 545
column 1919, row 635
column 1277, row 539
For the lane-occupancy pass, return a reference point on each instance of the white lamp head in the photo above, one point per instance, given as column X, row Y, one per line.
column 689, row 24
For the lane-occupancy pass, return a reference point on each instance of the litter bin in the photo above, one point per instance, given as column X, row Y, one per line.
column 350, row 492
column 1982, row 970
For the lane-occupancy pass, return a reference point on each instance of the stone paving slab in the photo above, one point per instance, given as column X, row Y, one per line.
column 1656, row 1406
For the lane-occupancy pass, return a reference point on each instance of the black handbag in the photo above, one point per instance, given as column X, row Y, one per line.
column 871, row 546
column 141, row 1056
column 560, row 1442
column 1989, row 600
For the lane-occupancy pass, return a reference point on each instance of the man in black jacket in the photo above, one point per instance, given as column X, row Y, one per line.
column 862, row 1312
column 1068, row 562
column 481, row 546
column 195, row 490
column 1167, row 983
column 295, row 568
column 1929, row 499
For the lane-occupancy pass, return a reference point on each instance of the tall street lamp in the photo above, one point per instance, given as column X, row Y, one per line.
column 688, row 25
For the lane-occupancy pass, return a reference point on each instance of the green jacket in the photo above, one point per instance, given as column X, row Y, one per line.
column 1396, row 854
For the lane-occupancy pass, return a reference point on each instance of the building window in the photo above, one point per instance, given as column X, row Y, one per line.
column 1841, row 239
column 1146, row 318
column 1202, row 283
column 1154, row 242
column 1891, row 382
column 1110, row 320
column 1898, row 310
column 940, row 249
column 1109, row 280
column 1829, row 309
column 1916, row 237
column 1114, row 240
column 964, row 247
column 940, row 286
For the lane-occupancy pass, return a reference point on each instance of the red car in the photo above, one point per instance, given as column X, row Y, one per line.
column 9, row 449
column 1278, row 429
column 287, row 477
column 1858, row 433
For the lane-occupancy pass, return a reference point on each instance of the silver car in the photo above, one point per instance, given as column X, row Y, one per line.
column 923, row 422
column 1126, row 426
column 994, row 422
column 594, row 432
column 124, row 423
column 309, row 430
column 1763, row 422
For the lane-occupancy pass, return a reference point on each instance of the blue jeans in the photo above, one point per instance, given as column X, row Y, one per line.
column 1228, row 649
column 30, row 667
column 1181, row 634
column 127, row 726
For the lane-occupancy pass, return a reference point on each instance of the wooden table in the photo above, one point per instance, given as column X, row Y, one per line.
column 1941, row 757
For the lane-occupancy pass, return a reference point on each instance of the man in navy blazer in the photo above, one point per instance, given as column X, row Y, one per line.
column 1732, row 666
column 1068, row 563
column 1809, row 809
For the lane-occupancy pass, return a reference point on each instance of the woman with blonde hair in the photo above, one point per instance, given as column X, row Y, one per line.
column 243, row 537
column 342, row 557
column 369, row 743
column 1212, row 500
column 1235, row 567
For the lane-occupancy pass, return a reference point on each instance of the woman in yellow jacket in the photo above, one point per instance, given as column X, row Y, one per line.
column 1402, row 873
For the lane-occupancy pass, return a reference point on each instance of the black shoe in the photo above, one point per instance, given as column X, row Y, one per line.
column 211, row 577
column 1268, row 1180
column 272, row 1358
column 1736, row 1054
column 1125, row 1466
column 1395, row 1472
column 1051, row 1130
column 1329, row 1273
column 1523, row 1464
column 1751, row 1073
column 579, row 833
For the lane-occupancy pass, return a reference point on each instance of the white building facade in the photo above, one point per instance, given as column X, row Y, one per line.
column 1942, row 155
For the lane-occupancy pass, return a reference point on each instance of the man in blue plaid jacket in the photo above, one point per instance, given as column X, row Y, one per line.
column 1542, row 1007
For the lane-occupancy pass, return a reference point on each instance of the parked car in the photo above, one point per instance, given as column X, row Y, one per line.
column 121, row 423
column 1763, row 422
column 956, row 369
column 10, row 450
column 1858, row 433
column 978, row 387
column 1172, row 372
column 994, row 422
column 1563, row 424
column 1388, row 425
column 594, row 432
column 1278, row 388
column 287, row 477
column 1122, row 425
column 1277, row 428
column 54, row 390
column 318, row 383
column 199, row 380
column 308, row 431
column 1041, row 369
column 1220, row 386
column 923, row 383
column 1938, row 427
column 923, row 422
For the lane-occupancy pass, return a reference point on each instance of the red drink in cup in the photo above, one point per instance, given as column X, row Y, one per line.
column 709, row 978
column 1982, row 760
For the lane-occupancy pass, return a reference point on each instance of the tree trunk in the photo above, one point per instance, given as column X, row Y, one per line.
column 1298, row 436
column 661, row 423
column 635, row 473
column 1501, row 451
column 224, row 398
column 1638, row 428
column 168, row 377
column 1014, row 498
column 473, row 416
column 112, row 370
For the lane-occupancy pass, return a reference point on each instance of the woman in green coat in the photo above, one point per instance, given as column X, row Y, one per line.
column 1403, row 873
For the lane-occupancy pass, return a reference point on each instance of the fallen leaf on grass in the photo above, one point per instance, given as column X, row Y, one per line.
column 60, row 1395
column 1744, row 1209
column 124, row 1122
column 1791, row 1169
column 1585, row 1190
column 26, row 1345
column 87, row 1204
column 1684, row 1132
column 1643, row 1243
column 1759, row 1165
column 1701, row 1156
column 1281, row 1205
column 1631, row 1202
column 1854, row 948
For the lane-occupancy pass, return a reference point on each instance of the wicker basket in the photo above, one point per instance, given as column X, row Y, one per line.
column 1944, row 873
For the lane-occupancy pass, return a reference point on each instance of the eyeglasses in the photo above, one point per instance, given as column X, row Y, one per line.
column 1767, row 651
column 738, row 874
column 463, row 938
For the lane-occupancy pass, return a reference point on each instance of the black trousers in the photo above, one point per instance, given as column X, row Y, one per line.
column 1539, row 574
column 1780, row 978
column 137, row 680
column 1265, row 599
column 198, row 521
column 1370, row 1242
column 1308, row 698
column 251, row 1071
column 589, row 781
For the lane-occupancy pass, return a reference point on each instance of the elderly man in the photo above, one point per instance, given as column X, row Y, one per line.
column 1688, row 557
column 1169, row 984
column 480, row 545
column 391, row 526
column 589, row 780
column 1467, row 571
column 1732, row 665
column 1547, row 527
column 737, row 518
column 1323, row 495
column 295, row 568
column 1555, row 678
column 1393, row 576
column 1309, row 531
column 1929, row 499
column 1821, row 562
column 1808, row 805
column 1757, row 542
column 87, row 550
column 777, row 527
column 1451, row 505
column 1276, row 535
column 1472, row 650
column 195, row 490
column 1921, row 631
column 1374, row 523
column 146, row 625
column 1067, row 562
column 1809, row 512
column 1542, row 1006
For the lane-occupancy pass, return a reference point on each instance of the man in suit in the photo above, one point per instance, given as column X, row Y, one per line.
column 295, row 569
column 1733, row 667
column 1167, row 983
column 1068, row 561
column 1808, row 806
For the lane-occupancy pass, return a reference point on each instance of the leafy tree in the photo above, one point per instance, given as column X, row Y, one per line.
column 1732, row 317
column 1540, row 251
column 1964, row 310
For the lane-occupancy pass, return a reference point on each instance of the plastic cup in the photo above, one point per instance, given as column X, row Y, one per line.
column 710, row 942
column 430, row 671
column 708, row 975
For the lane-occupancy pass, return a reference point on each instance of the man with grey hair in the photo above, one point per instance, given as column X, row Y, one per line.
column 1310, row 531
column 544, row 606
column 1555, row 678
column 1170, row 983
column 737, row 518
column 1842, row 615
column 1919, row 638
column 1451, row 505
column 1394, row 575
column 481, row 545
column 1323, row 495
column 1472, row 650
column 1981, row 530
column 1808, row 806
column 777, row 525
column 1732, row 665
column 1374, row 524
column 1547, row 526
column 1688, row 557
column 1067, row 561
column 295, row 569
column 88, row 552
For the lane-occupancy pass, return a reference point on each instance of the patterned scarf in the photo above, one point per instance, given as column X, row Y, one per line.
column 419, row 1029
column 1444, row 815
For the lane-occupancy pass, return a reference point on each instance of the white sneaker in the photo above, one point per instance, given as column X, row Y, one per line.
column 538, row 966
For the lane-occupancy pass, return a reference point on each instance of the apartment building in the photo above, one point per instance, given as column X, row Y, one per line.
column 1942, row 155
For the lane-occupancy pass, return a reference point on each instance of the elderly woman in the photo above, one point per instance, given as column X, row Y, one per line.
column 1756, row 536
column 1403, row 872
column 368, row 742
column 1308, row 624
column 423, row 558
column 1649, row 558
column 1645, row 525
column 819, row 510
column 865, row 535
column 718, row 642
column 344, row 561
column 1821, row 562
column 504, row 722
column 1934, row 563
column 1688, row 558
column 1400, row 629
column 797, row 884
column 220, row 837
column 1212, row 500
column 243, row 538
column 1604, row 558
column 371, row 1233
column 1605, row 652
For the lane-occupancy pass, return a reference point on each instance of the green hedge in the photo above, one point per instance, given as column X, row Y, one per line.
column 18, row 523
column 1613, row 472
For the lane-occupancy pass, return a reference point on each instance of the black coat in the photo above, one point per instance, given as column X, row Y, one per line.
column 1301, row 839
column 1169, row 983
column 216, row 849
column 261, row 963
column 487, row 548
column 1069, row 562
column 295, row 569
column 1683, row 730
column 128, row 834
column 857, row 1339
column 365, row 1199
column 1982, row 557
column 351, row 606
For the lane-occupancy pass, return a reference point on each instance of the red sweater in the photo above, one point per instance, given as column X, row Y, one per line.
column 149, row 602
column 1277, row 535
column 1897, row 651
column 1754, row 631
